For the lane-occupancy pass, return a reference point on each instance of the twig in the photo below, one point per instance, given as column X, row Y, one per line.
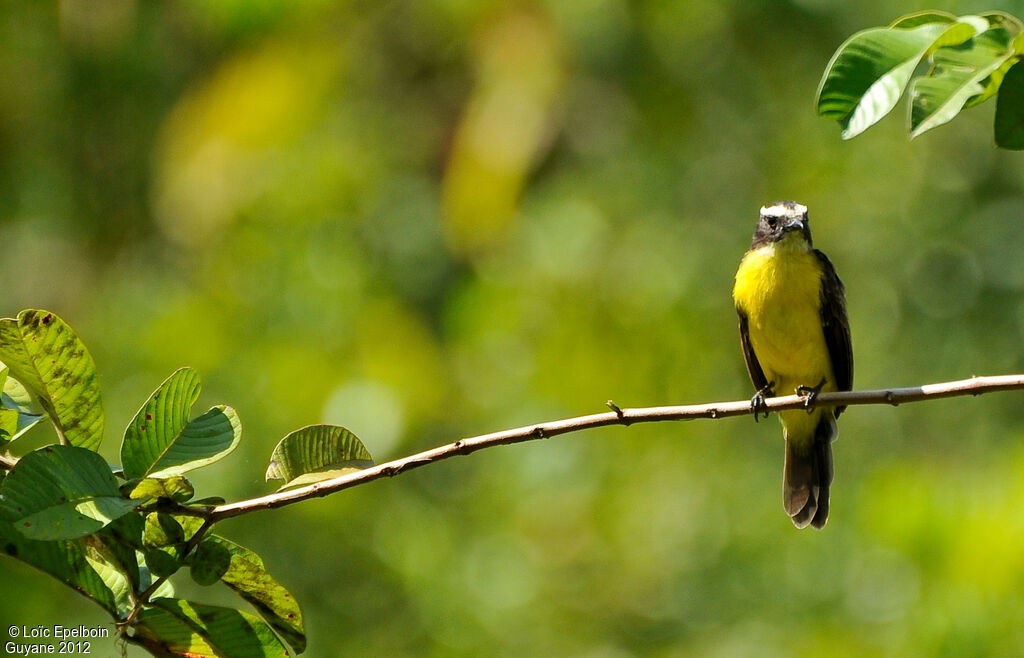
column 619, row 416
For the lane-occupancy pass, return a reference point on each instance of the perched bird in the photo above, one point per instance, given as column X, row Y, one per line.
column 795, row 338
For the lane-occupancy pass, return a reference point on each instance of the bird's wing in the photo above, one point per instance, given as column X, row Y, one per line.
column 753, row 366
column 836, row 326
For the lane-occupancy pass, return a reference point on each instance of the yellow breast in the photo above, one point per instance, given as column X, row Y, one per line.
column 779, row 290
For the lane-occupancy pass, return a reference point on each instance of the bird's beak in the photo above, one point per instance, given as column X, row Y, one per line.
column 793, row 225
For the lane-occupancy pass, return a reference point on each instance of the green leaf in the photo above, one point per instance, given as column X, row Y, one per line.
column 249, row 578
column 165, row 634
column 46, row 356
column 211, row 501
column 8, row 425
column 991, row 84
column 316, row 449
column 921, row 18
column 177, row 488
column 122, row 578
column 1009, row 122
column 163, row 561
column 215, row 631
column 61, row 492
column 209, row 563
column 112, row 553
column 64, row 560
column 117, row 581
column 189, row 524
column 868, row 73
column 956, row 76
column 161, row 441
column 1008, row 22
column 165, row 589
column 162, row 530
column 16, row 398
column 320, row 476
column 8, row 417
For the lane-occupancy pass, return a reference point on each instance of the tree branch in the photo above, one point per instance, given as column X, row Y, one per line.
column 618, row 416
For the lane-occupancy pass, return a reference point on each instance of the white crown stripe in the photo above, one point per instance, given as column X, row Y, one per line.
column 779, row 210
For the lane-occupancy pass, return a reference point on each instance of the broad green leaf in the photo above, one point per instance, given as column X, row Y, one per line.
column 161, row 440
column 868, row 73
column 249, row 578
column 956, row 77
column 224, row 631
column 64, row 560
column 1009, row 122
column 315, row 449
column 117, row 581
column 61, row 492
column 111, row 552
column 45, row 355
column 209, row 563
column 165, row 634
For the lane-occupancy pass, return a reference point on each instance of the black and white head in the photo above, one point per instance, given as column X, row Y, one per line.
column 783, row 222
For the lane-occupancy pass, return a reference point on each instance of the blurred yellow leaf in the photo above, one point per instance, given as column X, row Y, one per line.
column 222, row 134
column 507, row 124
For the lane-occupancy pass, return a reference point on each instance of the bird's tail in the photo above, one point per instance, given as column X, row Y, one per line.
column 808, row 475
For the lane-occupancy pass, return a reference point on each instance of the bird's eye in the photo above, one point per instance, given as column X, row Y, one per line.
column 772, row 222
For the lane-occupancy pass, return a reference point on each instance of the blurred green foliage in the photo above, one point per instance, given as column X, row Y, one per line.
column 425, row 220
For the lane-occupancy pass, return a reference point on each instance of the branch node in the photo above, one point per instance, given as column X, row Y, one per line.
column 757, row 405
column 619, row 413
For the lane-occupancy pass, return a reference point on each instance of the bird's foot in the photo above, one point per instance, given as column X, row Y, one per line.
column 757, row 404
column 810, row 393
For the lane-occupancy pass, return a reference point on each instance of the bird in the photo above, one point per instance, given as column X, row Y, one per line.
column 795, row 337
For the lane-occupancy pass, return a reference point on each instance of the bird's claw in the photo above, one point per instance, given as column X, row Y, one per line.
column 757, row 404
column 810, row 393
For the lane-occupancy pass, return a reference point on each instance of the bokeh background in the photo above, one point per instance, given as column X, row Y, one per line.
column 429, row 219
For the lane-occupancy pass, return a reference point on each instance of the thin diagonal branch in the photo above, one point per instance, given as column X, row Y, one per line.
column 618, row 416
